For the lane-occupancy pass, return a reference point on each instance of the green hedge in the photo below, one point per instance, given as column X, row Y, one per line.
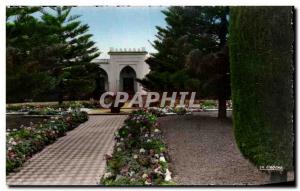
column 261, row 56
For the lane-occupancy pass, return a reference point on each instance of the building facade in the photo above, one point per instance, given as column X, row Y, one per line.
column 120, row 71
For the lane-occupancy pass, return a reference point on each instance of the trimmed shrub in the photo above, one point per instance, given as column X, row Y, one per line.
column 261, row 56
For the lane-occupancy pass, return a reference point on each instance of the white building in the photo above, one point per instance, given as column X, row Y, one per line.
column 120, row 71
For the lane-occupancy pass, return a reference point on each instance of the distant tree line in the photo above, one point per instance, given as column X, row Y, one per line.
column 48, row 55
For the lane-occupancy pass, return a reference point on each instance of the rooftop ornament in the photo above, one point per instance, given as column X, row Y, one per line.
column 138, row 50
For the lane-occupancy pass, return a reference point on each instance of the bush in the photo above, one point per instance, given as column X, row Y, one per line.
column 261, row 43
column 78, row 116
column 44, row 111
column 209, row 104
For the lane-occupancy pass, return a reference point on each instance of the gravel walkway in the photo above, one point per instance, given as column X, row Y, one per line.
column 75, row 159
column 203, row 152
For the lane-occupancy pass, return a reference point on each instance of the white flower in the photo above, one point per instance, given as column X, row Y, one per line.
column 168, row 175
column 156, row 156
column 147, row 183
column 146, row 135
column 119, row 149
column 158, row 170
column 156, row 130
column 10, row 140
column 117, row 134
column 142, row 150
column 69, row 109
column 14, row 143
column 148, row 140
column 135, row 156
column 131, row 173
column 118, row 144
column 122, row 139
column 107, row 175
column 162, row 159
column 14, row 129
column 145, row 175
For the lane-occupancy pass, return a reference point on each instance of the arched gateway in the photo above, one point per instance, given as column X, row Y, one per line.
column 122, row 69
column 128, row 80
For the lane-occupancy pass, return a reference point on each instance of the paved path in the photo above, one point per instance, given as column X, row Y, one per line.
column 203, row 152
column 75, row 159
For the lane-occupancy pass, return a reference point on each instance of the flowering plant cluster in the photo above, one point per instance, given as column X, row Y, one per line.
column 21, row 144
column 139, row 156
column 179, row 110
column 49, row 109
column 45, row 111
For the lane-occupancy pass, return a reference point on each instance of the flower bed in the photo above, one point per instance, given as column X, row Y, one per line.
column 179, row 110
column 23, row 143
column 139, row 156
column 45, row 111
column 49, row 108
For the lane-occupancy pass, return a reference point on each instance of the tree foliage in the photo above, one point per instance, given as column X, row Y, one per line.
column 192, row 54
column 74, row 70
column 26, row 53
column 261, row 54
column 53, row 52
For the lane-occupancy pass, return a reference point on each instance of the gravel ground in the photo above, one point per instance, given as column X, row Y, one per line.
column 203, row 152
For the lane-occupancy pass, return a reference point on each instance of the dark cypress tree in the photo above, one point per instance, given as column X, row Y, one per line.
column 261, row 54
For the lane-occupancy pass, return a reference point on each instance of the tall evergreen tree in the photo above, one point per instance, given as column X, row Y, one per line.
column 74, row 69
column 191, row 34
column 27, row 50
column 46, row 56
column 173, row 44
column 211, row 64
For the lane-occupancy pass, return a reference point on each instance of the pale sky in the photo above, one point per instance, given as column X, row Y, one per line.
column 122, row 27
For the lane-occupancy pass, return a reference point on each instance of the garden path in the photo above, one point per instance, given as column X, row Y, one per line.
column 203, row 152
column 75, row 159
